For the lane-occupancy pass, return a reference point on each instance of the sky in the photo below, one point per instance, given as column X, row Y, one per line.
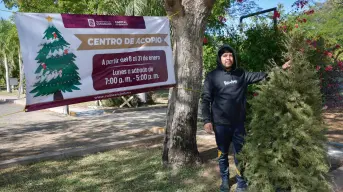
column 4, row 14
column 265, row 4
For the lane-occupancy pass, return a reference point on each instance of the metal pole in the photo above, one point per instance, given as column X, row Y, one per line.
column 257, row 13
column 97, row 102
column 66, row 110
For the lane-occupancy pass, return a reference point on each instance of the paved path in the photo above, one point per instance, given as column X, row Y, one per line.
column 43, row 131
column 6, row 108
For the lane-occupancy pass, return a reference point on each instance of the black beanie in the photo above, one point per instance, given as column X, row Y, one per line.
column 224, row 50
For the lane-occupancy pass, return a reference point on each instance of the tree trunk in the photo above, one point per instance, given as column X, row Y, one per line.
column 21, row 74
column 97, row 103
column 180, row 147
column 338, row 54
column 8, row 87
column 58, row 96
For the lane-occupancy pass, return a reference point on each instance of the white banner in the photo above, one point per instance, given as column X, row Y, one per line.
column 76, row 58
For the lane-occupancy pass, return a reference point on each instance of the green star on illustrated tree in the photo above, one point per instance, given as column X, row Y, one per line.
column 57, row 71
column 285, row 144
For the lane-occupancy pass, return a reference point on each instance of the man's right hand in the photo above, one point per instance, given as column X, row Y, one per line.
column 287, row 65
column 208, row 128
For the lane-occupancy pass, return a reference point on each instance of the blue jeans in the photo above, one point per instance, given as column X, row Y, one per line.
column 225, row 134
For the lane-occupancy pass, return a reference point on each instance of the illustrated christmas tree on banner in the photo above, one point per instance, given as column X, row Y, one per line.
column 57, row 71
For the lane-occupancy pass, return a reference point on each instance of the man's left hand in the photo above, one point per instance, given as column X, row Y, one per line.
column 287, row 65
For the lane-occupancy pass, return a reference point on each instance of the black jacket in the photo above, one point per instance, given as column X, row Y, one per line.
column 224, row 92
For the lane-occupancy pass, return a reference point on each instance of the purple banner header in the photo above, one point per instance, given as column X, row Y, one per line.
column 102, row 21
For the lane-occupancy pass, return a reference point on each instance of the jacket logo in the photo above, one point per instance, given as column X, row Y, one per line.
column 230, row 82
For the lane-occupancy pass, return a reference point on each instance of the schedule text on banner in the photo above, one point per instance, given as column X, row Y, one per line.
column 77, row 58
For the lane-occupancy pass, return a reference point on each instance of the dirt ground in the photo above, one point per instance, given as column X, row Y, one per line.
column 334, row 120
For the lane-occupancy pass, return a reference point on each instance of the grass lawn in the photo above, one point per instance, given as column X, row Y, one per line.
column 129, row 169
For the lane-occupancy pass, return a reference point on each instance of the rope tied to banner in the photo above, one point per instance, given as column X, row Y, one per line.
column 7, row 11
column 170, row 16
column 187, row 89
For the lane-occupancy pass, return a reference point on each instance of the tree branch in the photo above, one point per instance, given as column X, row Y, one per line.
column 173, row 6
column 339, row 2
column 209, row 3
column 339, row 53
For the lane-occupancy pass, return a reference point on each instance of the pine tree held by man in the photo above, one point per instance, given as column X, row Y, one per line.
column 284, row 149
column 57, row 71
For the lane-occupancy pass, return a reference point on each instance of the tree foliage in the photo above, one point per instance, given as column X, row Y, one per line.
column 285, row 146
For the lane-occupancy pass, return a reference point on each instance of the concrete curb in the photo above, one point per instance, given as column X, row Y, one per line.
column 121, row 110
column 100, row 111
column 86, row 113
column 7, row 100
column 335, row 144
column 76, row 152
column 90, row 111
column 337, row 181
column 19, row 102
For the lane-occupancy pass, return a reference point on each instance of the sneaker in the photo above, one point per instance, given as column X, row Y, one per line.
column 224, row 187
column 241, row 190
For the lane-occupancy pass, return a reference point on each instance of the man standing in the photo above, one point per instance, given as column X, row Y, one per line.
column 223, row 109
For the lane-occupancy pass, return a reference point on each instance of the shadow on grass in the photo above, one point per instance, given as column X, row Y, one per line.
column 128, row 169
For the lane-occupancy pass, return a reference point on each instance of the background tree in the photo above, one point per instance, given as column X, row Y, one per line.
column 35, row 6
column 322, row 20
column 320, row 23
column 262, row 44
column 5, row 45
column 13, row 40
